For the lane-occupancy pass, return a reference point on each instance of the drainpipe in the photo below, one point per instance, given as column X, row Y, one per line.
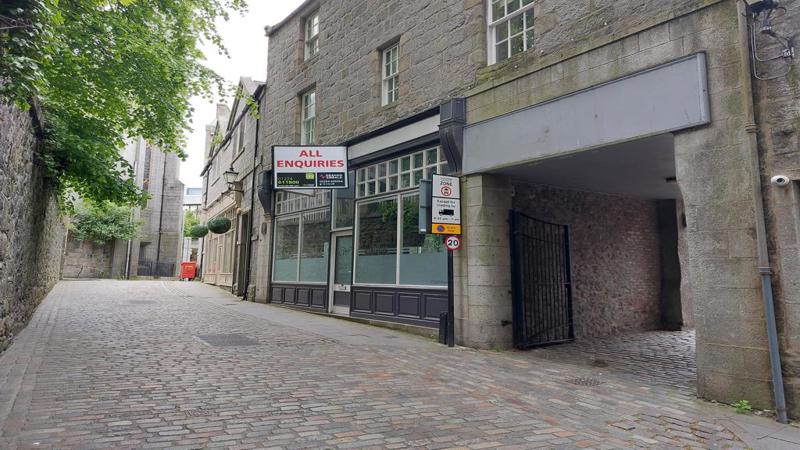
column 252, row 207
column 161, row 212
column 764, row 269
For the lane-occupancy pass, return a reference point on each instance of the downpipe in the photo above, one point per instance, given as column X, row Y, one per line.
column 764, row 268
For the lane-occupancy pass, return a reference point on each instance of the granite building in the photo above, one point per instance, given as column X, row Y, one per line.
column 624, row 167
column 156, row 251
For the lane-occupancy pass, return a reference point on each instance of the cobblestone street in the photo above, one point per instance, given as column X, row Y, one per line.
column 149, row 364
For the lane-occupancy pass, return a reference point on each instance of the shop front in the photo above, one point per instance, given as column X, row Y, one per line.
column 358, row 251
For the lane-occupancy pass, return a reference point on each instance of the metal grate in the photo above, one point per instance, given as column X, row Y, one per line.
column 227, row 340
column 584, row 381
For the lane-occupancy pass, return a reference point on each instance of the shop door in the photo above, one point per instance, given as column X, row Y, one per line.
column 341, row 273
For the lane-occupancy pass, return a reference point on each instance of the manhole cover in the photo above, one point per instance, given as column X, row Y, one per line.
column 583, row 381
column 227, row 340
column 141, row 302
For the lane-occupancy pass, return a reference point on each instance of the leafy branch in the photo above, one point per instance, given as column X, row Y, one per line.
column 106, row 70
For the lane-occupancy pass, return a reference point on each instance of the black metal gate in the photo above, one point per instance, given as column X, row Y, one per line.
column 542, row 285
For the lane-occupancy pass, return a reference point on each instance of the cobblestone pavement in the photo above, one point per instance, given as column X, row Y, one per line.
column 656, row 357
column 115, row 364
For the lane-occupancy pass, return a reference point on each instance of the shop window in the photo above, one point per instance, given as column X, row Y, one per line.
column 301, row 237
column 376, row 260
column 510, row 28
column 314, row 237
column 287, row 232
column 392, row 255
column 423, row 258
column 343, row 206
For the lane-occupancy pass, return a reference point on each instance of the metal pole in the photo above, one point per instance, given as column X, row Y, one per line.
column 451, row 335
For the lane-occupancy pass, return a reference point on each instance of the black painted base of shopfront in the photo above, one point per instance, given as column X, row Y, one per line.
column 307, row 296
column 419, row 307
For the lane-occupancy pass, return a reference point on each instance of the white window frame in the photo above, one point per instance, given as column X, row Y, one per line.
column 505, row 21
column 390, row 74
column 388, row 176
column 308, row 119
column 311, row 35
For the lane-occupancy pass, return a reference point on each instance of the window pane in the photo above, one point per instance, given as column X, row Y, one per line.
column 423, row 259
column 393, row 167
column 343, row 207
column 501, row 51
column 376, row 260
column 431, row 157
column 406, row 163
column 393, row 186
column 517, row 44
column 501, row 32
column 405, row 181
column 517, row 25
column 417, row 177
column 285, row 264
column 343, row 272
column 314, row 254
column 513, row 5
column 498, row 9
column 418, row 160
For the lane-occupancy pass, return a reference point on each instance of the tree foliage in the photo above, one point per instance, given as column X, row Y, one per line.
column 190, row 219
column 103, row 222
column 104, row 70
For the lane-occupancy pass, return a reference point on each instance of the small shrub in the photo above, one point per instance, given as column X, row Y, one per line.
column 743, row 406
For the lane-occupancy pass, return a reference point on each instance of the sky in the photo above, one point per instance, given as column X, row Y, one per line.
column 247, row 45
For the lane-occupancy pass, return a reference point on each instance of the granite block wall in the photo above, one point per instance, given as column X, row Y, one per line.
column 32, row 231
column 615, row 256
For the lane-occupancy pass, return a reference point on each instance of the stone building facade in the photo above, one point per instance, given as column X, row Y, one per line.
column 231, row 156
column 157, row 250
column 628, row 124
column 32, row 231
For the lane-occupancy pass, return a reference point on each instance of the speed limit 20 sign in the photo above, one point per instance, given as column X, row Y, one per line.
column 453, row 243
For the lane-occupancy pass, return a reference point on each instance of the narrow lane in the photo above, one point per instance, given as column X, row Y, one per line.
column 152, row 364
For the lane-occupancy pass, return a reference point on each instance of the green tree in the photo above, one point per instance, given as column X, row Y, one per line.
column 104, row 70
column 103, row 222
column 190, row 219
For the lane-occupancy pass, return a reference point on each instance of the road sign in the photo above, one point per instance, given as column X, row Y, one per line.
column 453, row 243
column 446, row 210
column 445, row 228
column 446, row 205
column 309, row 167
column 446, row 187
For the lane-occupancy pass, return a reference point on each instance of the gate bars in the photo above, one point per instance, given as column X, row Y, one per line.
column 541, row 282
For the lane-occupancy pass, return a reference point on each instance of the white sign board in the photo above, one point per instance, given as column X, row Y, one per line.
column 446, row 210
column 309, row 167
column 445, row 205
column 446, row 187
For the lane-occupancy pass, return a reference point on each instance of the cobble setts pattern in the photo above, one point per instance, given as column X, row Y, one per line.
column 115, row 364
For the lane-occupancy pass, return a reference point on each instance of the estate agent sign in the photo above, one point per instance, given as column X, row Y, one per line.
column 309, row 167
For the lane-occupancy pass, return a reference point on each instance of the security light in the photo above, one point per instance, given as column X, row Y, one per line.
column 757, row 6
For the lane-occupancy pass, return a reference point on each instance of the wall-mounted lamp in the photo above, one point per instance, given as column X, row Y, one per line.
column 230, row 176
